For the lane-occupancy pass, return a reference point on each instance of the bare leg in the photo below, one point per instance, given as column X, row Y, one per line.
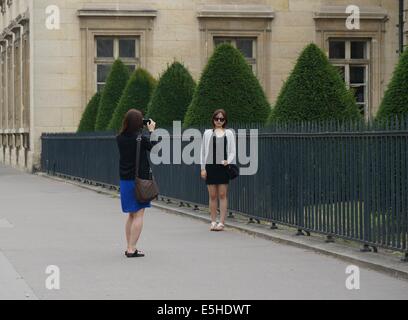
column 128, row 228
column 222, row 194
column 212, row 192
column 135, row 230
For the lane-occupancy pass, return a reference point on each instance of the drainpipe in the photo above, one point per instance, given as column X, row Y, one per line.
column 401, row 26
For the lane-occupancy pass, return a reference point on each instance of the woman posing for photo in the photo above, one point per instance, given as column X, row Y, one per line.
column 218, row 150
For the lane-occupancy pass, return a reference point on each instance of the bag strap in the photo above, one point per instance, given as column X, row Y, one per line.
column 138, row 147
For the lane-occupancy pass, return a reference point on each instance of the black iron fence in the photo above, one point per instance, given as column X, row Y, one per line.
column 349, row 181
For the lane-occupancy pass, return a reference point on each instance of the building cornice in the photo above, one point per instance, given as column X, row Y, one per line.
column 22, row 19
column 339, row 12
column 116, row 10
column 8, row 34
column 235, row 11
column 15, row 27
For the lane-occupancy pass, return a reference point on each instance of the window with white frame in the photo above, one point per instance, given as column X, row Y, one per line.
column 108, row 49
column 352, row 59
column 246, row 45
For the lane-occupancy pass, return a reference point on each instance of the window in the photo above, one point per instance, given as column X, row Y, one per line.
column 352, row 59
column 246, row 45
column 108, row 49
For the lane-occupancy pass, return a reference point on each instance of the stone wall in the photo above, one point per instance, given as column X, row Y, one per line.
column 15, row 105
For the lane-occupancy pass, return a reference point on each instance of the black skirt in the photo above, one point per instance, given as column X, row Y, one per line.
column 216, row 174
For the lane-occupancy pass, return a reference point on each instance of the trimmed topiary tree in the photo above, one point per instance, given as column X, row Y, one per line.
column 228, row 82
column 314, row 91
column 136, row 95
column 395, row 102
column 111, row 94
column 172, row 96
column 88, row 119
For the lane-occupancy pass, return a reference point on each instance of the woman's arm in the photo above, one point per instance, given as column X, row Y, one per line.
column 232, row 150
column 147, row 142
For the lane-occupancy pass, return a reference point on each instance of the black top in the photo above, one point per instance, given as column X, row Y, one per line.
column 127, row 149
column 219, row 144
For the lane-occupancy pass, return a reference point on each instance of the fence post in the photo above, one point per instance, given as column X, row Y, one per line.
column 300, row 189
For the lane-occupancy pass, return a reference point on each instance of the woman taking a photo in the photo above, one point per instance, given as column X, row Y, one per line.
column 217, row 152
column 127, row 144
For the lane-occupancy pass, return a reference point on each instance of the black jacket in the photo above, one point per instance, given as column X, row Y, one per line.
column 127, row 150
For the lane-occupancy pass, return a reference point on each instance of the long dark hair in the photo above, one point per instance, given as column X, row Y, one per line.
column 224, row 114
column 133, row 122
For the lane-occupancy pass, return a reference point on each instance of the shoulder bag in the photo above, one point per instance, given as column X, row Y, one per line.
column 145, row 190
column 232, row 169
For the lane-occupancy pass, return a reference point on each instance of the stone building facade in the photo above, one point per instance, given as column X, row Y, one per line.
column 55, row 54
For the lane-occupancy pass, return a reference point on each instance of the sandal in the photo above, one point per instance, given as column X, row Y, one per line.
column 136, row 254
column 213, row 226
column 219, row 227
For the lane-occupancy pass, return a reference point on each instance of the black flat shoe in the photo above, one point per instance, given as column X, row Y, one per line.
column 137, row 254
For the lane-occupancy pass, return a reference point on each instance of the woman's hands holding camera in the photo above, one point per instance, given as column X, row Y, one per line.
column 151, row 126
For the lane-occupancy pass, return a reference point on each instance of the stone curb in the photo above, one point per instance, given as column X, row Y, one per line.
column 384, row 263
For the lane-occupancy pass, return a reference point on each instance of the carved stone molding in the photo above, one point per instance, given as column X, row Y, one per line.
column 235, row 11
column 339, row 12
column 116, row 10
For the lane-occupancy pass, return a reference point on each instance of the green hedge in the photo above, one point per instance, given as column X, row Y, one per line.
column 88, row 119
column 136, row 95
column 172, row 96
column 228, row 82
column 395, row 102
column 111, row 94
column 314, row 91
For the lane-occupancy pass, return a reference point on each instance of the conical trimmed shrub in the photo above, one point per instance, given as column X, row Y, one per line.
column 172, row 96
column 228, row 83
column 88, row 119
column 136, row 95
column 111, row 94
column 314, row 91
column 395, row 102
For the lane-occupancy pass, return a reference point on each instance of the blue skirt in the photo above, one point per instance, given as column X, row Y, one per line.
column 128, row 198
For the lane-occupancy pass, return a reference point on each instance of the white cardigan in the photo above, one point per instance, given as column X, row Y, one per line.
column 205, row 146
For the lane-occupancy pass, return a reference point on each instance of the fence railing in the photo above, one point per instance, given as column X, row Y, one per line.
column 349, row 181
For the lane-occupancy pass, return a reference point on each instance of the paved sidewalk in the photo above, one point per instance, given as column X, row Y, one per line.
column 45, row 222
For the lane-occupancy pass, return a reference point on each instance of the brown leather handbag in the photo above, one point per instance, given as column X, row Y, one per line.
column 146, row 190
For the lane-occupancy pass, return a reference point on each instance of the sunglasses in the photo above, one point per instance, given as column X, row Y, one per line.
column 219, row 119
